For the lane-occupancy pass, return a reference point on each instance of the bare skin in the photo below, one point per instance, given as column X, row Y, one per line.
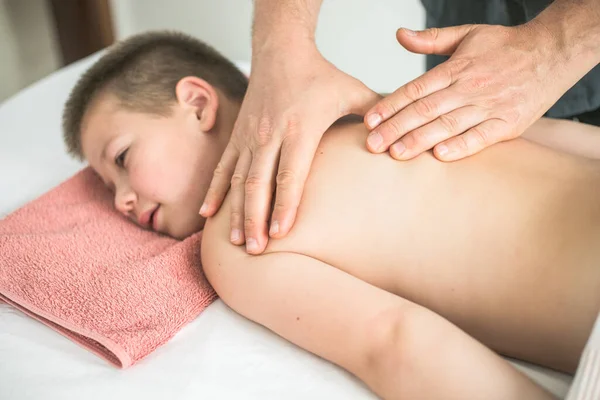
column 399, row 271
column 388, row 261
column 483, row 94
column 498, row 81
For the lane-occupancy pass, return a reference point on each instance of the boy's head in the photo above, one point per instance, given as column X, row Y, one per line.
column 152, row 117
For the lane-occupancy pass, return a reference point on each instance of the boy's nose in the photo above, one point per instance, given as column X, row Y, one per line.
column 125, row 201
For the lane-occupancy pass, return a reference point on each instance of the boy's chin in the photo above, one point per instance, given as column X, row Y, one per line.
column 184, row 232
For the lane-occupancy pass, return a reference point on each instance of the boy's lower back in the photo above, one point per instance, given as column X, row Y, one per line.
column 505, row 244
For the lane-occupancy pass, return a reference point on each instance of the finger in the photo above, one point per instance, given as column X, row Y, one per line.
column 297, row 153
column 472, row 141
column 238, row 181
column 436, row 79
column 442, row 128
column 441, row 41
column 219, row 184
column 412, row 117
column 258, row 195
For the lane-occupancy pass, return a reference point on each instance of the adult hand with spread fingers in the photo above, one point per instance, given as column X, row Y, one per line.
column 496, row 83
column 293, row 96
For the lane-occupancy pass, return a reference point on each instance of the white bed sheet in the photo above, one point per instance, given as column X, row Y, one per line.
column 220, row 355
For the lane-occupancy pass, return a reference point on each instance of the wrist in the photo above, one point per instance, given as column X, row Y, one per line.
column 298, row 42
column 562, row 44
column 571, row 30
column 284, row 24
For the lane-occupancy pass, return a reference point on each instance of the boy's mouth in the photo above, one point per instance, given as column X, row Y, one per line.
column 148, row 218
column 154, row 220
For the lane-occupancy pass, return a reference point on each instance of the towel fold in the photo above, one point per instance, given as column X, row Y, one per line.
column 71, row 261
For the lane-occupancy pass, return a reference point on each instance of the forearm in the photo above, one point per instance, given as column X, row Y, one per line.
column 574, row 28
column 284, row 22
column 437, row 360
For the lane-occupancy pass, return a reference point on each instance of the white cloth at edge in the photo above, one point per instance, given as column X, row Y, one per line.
column 586, row 385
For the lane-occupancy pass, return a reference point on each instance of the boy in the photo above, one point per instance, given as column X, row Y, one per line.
column 502, row 248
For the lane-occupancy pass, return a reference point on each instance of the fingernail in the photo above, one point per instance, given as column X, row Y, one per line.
column 442, row 149
column 375, row 140
column 409, row 32
column 203, row 209
column 373, row 120
column 274, row 230
column 251, row 245
column 398, row 148
column 235, row 235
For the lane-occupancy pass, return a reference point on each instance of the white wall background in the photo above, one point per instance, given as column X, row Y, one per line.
column 356, row 35
column 28, row 48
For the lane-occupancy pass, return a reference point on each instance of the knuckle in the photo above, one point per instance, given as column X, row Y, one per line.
column 286, row 178
column 433, row 32
column 237, row 180
column 481, row 136
column 478, row 83
column 219, row 171
column 457, row 64
column 411, row 142
column 415, row 90
column 454, row 69
column 416, row 138
column 449, row 123
column 249, row 223
column 264, row 131
column 278, row 207
column 293, row 126
column 393, row 128
column 236, row 217
column 387, row 107
column 293, row 123
column 461, row 143
column 253, row 183
column 490, row 103
column 426, row 108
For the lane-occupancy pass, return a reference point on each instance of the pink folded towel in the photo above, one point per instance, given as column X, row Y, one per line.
column 71, row 261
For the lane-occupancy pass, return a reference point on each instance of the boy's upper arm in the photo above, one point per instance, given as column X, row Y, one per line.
column 309, row 302
column 368, row 331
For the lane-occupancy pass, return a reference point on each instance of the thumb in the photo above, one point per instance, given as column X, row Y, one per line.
column 441, row 41
column 361, row 99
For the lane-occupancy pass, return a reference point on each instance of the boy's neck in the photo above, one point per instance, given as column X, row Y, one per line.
column 226, row 117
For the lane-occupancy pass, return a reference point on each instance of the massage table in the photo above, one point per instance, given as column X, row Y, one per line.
column 220, row 355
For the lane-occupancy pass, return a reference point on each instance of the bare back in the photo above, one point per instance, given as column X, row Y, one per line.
column 505, row 244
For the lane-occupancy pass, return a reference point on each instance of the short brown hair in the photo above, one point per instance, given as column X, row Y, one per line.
column 142, row 72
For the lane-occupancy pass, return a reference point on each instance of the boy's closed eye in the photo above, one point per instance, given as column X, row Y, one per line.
column 120, row 158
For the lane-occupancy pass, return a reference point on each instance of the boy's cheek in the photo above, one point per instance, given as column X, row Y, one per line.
column 162, row 185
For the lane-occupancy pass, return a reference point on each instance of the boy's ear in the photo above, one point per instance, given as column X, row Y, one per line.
column 201, row 98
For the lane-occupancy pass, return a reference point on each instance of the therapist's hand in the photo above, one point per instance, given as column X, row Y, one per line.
column 293, row 96
column 497, row 82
